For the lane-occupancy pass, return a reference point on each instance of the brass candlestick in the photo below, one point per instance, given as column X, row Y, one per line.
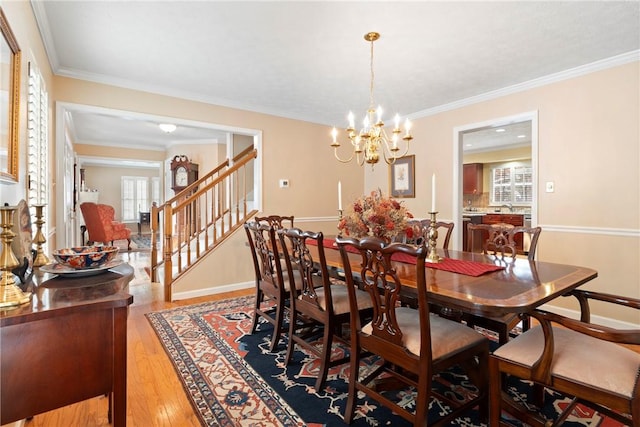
column 41, row 259
column 432, row 240
column 10, row 294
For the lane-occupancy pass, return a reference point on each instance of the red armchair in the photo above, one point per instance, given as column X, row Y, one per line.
column 102, row 226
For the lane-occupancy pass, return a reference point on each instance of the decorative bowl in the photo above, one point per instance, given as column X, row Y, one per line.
column 85, row 256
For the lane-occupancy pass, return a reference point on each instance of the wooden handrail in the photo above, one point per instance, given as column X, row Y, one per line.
column 196, row 220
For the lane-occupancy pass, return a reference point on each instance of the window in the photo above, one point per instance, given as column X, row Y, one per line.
column 37, row 139
column 512, row 184
column 155, row 190
column 135, row 197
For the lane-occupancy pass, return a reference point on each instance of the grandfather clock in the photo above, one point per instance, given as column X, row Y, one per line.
column 183, row 173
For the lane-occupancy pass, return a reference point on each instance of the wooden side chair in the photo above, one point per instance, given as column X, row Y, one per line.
column 420, row 228
column 278, row 221
column 413, row 345
column 321, row 306
column 576, row 358
column 271, row 284
column 419, row 234
column 500, row 240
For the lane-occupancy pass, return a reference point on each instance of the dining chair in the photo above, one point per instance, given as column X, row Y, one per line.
column 420, row 229
column 576, row 358
column 321, row 307
column 278, row 221
column 271, row 285
column 419, row 234
column 412, row 344
column 500, row 241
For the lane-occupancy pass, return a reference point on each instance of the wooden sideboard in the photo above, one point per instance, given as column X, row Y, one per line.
column 69, row 344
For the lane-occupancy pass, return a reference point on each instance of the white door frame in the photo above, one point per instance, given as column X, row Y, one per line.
column 458, row 153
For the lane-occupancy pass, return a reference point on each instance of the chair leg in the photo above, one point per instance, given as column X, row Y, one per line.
column 277, row 327
column 293, row 321
column 495, row 393
column 353, row 378
column 254, row 324
column 325, row 357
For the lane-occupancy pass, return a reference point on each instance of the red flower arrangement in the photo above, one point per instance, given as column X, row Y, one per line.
column 376, row 215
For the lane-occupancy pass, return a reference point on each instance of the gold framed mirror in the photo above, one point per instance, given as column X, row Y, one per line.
column 9, row 101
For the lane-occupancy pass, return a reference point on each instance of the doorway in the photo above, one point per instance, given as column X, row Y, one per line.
column 488, row 142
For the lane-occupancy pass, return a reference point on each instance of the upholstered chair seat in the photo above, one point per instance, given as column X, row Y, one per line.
column 580, row 358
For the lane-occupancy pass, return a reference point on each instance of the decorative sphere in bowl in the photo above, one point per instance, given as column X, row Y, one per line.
column 85, row 256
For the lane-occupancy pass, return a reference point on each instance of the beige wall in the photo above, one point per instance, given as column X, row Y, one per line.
column 588, row 145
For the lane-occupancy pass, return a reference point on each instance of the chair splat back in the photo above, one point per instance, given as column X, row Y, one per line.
column 270, row 282
column 298, row 260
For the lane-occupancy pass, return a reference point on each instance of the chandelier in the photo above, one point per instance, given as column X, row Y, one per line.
column 372, row 140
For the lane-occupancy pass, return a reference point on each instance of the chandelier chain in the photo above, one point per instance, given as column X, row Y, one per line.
column 371, row 103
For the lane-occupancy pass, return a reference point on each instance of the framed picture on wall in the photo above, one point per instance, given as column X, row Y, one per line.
column 402, row 177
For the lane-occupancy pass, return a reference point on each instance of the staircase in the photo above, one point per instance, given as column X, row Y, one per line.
column 199, row 218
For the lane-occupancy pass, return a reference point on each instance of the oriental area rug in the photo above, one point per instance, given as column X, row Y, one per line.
column 232, row 379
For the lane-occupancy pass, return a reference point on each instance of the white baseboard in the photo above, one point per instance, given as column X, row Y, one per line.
column 213, row 291
column 599, row 320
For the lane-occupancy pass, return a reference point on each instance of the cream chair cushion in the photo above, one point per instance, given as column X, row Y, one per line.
column 340, row 298
column 578, row 357
column 446, row 335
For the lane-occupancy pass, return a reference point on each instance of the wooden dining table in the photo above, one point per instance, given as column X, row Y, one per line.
column 519, row 286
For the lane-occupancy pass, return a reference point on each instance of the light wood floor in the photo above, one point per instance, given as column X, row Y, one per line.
column 154, row 393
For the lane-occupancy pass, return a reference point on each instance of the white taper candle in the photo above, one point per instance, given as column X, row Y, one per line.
column 433, row 193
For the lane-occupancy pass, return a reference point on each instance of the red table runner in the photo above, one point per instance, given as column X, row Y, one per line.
column 468, row 268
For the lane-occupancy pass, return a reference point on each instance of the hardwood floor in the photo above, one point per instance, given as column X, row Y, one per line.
column 154, row 393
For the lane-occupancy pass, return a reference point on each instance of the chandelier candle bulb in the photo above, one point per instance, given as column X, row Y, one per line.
column 397, row 120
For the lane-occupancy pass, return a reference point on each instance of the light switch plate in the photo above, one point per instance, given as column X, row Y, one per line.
column 284, row 183
column 550, row 187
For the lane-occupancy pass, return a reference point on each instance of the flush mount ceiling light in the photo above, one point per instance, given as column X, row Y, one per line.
column 372, row 139
column 167, row 127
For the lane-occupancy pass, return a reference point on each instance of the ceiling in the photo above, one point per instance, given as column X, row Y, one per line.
column 308, row 60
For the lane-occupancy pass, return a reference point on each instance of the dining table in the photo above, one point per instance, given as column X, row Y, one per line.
column 477, row 283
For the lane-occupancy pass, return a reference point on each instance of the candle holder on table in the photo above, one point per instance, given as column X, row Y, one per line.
column 39, row 239
column 432, row 240
column 10, row 294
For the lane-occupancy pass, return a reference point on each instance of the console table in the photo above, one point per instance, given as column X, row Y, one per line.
column 69, row 344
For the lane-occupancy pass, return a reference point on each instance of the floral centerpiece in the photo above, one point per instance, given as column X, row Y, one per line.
column 376, row 215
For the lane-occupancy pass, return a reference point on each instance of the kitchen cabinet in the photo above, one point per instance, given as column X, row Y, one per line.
column 472, row 178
